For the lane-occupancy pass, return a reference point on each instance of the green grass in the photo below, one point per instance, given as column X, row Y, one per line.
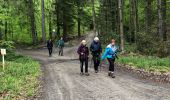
column 19, row 80
column 149, row 63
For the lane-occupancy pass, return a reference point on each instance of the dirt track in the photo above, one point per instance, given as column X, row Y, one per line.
column 63, row 82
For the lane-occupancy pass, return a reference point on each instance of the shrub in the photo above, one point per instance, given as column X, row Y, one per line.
column 152, row 46
column 105, row 38
column 7, row 44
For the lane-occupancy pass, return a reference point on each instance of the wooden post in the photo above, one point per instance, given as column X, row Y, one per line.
column 3, row 62
column 3, row 53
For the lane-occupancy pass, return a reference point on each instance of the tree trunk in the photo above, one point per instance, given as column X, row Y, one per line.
column 64, row 25
column 79, row 19
column 121, row 24
column 94, row 16
column 50, row 26
column 12, row 31
column 131, row 26
column 133, row 20
column 32, row 19
column 0, row 32
column 162, row 19
column 117, row 17
column 58, row 21
column 148, row 16
column 106, row 16
column 43, row 22
column 6, row 30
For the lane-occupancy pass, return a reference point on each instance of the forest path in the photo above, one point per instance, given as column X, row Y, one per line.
column 62, row 80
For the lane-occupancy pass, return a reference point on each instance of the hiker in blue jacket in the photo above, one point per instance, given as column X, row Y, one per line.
column 110, row 54
column 60, row 45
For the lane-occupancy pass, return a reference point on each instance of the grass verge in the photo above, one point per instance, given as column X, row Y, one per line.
column 148, row 63
column 19, row 80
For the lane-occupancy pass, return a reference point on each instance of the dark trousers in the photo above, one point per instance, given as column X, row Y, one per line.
column 96, row 60
column 111, row 64
column 60, row 51
column 50, row 51
column 82, row 62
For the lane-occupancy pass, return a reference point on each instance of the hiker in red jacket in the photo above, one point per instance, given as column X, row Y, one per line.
column 83, row 52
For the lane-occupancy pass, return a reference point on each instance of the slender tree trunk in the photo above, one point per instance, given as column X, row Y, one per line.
column 50, row 26
column 58, row 21
column 162, row 19
column 159, row 3
column 148, row 16
column 94, row 16
column 117, row 17
column 106, row 15
column 79, row 28
column 79, row 19
column 6, row 30
column 32, row 18
column 0, row 32
column 43, row 22
column 135, row 19
column 64, row 25
column 12, row 32
column 131, row 27
column 121, row 24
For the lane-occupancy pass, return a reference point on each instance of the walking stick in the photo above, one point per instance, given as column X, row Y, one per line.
column 91, row 62
column 100, row 66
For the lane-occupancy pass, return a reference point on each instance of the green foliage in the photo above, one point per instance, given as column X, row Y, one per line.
column 129, row 48
column 152, row 46
column 146, row 43
column 106, row 37
column 7, row 44
column 149, row 63
column 20, row 77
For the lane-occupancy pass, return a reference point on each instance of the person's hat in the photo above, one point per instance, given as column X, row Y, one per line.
column 96, row 39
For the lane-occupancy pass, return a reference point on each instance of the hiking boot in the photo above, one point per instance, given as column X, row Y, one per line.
column 112, row 75
column 96, row 71
column 81, row 73
column 109, row 74
column 87, row 74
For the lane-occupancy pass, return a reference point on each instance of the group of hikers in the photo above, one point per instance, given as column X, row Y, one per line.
column 59, row 44
column 96, row 52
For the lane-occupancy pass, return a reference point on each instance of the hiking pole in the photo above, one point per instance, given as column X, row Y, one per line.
column 100, row 65
column 91, row 62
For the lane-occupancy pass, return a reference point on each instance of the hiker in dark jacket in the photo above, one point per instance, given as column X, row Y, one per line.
column 110, row 54
column 50, row 46
column 83, row 52
column 96, row 50
column 61, row 46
